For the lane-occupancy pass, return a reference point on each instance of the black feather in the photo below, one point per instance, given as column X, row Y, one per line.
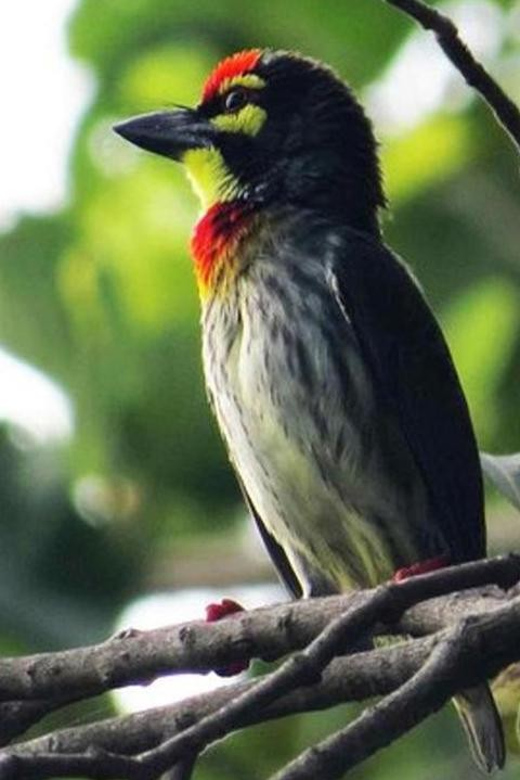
column 413, row 370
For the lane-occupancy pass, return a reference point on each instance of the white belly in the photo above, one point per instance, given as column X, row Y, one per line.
column 309, row 461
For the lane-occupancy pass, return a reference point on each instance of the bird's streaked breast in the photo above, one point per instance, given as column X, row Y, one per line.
column 297, row 411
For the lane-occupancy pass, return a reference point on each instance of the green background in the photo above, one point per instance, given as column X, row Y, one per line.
column 101, row 297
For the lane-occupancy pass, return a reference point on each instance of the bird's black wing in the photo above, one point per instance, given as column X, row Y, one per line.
column 414, row 373
column 276, row 552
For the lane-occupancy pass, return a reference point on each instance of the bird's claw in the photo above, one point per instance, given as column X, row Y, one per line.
column 214, row 612
column 421, row 567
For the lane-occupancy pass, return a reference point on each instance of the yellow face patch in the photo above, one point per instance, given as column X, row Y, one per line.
column 207, row 171
column 249, row 80
column 209, row 176
column 248, row 120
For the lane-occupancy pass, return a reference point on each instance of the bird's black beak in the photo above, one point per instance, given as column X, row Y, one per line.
column 168, row 133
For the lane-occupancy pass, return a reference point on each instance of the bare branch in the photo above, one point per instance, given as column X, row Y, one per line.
column 353, row 678
column 135, row 657
column 474, row 73
column 485, row 644
column 425, row 692
column 386, row 603
column 134, row 748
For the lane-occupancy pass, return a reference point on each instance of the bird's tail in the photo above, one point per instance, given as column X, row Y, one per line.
column 483, row 726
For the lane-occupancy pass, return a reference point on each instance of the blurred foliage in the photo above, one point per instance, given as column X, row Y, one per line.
column 100, row 297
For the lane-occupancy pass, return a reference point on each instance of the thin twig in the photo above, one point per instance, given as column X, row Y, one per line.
column 506, row 111
column 378, row 726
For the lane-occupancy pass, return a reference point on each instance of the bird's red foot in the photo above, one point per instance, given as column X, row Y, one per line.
column 214, row 612
column 421, row 567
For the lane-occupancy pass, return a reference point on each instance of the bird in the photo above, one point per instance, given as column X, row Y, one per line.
column 327, row 371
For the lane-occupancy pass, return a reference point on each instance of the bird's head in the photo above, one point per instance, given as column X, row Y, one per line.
column 272, row 128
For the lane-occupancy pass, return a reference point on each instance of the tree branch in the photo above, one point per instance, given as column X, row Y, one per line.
column 352, row 678
column 135, row 657
column 147, row 745
column 474, row 73
column 426, row 691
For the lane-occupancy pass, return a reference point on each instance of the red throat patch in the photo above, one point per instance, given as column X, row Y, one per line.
column 215, row 238
column 236, row 65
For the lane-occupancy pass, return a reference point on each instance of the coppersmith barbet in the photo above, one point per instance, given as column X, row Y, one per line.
column 329, row 376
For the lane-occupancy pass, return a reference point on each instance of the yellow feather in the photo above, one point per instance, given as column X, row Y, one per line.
column 209, row 176
column 248, row 120
column 249, row 80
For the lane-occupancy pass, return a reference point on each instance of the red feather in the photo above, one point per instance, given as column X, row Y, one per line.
column 216, row 235
column 236, row 65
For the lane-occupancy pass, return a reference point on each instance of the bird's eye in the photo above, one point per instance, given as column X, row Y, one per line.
column 235, row 100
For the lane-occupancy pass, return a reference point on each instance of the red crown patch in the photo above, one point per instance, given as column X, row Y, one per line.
column 236, row 65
